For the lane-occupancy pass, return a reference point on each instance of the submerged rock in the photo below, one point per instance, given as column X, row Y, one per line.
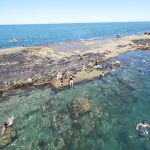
column 79, row 107
column 59, row 121
column 42, row 144
column 48, row 105
column 7, row 138
column 59, row 143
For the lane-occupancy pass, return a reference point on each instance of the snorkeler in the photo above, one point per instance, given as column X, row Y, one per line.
column 7, row 124
column 142, row 128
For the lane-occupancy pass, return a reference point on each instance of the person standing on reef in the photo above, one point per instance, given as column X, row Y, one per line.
column 118, row 35
column 71, row 81
column 61, row 82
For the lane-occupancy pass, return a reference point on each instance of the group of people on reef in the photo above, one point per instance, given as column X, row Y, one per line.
column 7, row 124
column 63, row 76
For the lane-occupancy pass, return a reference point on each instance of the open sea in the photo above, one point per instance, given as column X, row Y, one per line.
column 120, row 100
column 33, row 35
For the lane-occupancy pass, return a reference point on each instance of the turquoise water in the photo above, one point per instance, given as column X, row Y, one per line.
column 119, row 101
column 31, row 35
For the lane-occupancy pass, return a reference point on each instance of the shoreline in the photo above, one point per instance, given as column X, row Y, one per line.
column 33, row 66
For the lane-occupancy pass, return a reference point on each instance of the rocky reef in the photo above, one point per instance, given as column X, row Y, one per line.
column 8, row 137
column 35, row 66
column 73, row 122
column 143, row 44
column 79, row 107
column 21, row 69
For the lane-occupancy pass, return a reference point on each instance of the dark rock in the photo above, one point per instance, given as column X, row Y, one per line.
column 42, row 144
column 141, row 41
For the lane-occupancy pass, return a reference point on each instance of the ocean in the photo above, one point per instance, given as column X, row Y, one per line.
column 35, row 35
column 120, row 100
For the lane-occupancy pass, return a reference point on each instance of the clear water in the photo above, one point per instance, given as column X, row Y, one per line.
column 119, row 101
column 30, row 35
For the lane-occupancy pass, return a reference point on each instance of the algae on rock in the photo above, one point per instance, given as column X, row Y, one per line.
column 8, row 136
column 78, row 107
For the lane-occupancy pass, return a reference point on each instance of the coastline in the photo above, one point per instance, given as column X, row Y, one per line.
column 32, row 66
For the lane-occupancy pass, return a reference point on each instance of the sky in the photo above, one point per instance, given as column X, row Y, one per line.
column 73, row 11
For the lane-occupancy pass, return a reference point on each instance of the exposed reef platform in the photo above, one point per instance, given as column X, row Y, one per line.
column 22, row 67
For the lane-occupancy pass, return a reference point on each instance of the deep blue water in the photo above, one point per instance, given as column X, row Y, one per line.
column 32, row 35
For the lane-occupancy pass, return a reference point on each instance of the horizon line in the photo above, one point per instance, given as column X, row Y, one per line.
column 75, row 23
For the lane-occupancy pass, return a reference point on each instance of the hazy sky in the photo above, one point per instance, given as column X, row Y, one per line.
column 71, row 11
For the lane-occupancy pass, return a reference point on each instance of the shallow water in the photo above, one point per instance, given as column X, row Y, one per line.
column 119, row 101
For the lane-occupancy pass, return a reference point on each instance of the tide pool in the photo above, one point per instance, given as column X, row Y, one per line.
column 119, row 101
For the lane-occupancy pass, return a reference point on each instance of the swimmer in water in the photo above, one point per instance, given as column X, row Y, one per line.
column 142, row 128
column 7, row 124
